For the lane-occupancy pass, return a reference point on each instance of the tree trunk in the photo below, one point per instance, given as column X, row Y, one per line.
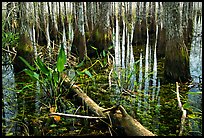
column 176, row 66
column 137, row 31
column 24, row 48
column 144, row 26
column 161, row 33
column 79, row 37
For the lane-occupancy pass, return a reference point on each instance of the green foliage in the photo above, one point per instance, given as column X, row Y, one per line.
column 27, row 64
column 41, row 66
column 46, row 76
column 61, row 59
column 9, row 38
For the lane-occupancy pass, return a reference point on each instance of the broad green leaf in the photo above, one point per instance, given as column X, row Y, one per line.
column 61, row 59
column 27, row 64
column 194, row 93
column 42, row 66
column 88, row 73
column 32, row 74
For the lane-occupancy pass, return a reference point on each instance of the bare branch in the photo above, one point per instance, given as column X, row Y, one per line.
column 181, row 107
column 77, row 116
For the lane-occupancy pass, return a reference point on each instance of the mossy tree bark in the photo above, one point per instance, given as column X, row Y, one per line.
column 24, row 48
column 176, row 66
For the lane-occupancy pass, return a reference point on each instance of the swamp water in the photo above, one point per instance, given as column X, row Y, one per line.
column 152, row 103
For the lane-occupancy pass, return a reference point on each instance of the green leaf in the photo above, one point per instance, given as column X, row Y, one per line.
column 104, row 53
column 32, row 74
column 42, row 66
column 80, row 64
column 27, row 64
column 194, row 93
column 94, row 48
column 53, row 125
column 187, row 106
column 61, row 59
column 110, row 47
column 55, row 77
column 192, row 116
column 88, row 73
column 79, row 72
column 104, row 61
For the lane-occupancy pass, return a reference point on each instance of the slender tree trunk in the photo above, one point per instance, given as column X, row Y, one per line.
column 161, row 32
column 137, row 31
column 80, row 41
column 144, row 25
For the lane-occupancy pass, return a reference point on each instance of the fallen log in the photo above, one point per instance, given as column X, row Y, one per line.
column 131, row 126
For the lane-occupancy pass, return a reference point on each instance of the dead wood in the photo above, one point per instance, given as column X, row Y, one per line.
column 130, row 125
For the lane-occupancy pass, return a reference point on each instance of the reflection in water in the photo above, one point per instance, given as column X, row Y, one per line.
column 9, row 98
column 146, row 84
column 151, row 91
column 140, row 82
column 116, row 43
column 196, row 74
column 155, row 67
column 123, row 46
column 132, row 61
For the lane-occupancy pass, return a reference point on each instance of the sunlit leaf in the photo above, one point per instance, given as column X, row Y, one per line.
column 53, row 125
column 32, row 74
column 61, row 59
column 194, row 93
column 9, row 134
column 187, row 106
column 192, row 116
column 42, row 66
column 27, row 64
column 88, row 73
column 94, row 48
